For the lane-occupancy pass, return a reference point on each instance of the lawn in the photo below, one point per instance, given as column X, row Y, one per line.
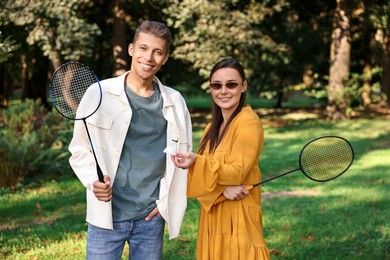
column 346, row 218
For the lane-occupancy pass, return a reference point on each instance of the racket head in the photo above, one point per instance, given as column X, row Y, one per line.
column 75, row 91
column 326, row 158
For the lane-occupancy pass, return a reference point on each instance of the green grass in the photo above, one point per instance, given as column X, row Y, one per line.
column 347, row 218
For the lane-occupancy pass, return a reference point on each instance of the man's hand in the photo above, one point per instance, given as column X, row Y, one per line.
column 103, row 191
column 152, row 214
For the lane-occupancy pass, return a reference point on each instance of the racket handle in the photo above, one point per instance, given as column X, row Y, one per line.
column 222, row 198
column 219, row 199
column 100, row 174
column 249, row 187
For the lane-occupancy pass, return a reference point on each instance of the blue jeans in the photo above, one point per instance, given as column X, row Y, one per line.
column 145, row 240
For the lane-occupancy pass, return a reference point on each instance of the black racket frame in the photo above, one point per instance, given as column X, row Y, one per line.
column 98, row 169
column 300, row 162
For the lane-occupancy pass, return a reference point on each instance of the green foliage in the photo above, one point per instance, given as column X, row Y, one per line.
column 207, row 31
column 16, row 156
column 31, row 142
column 278, row 41
column 7, row 46
column 352, row 94
column 353, row 90
column 59, row 28
column 379, row 16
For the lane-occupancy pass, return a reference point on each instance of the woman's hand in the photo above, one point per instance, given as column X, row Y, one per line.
column 103, row 191
column 184, row 160
column 235, row 192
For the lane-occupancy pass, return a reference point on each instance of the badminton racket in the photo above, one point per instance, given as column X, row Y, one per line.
column 321, row 159
column 76, row 94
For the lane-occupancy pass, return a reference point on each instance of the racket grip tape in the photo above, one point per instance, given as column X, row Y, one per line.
column 222, row 198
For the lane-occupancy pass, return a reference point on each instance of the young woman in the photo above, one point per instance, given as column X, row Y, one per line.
column 227, row 160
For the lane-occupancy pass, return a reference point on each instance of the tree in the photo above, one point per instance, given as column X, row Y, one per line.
column 7, row 47
column 381, row 21
column 207, row 31
column 304, row 30
column 339, row 70
column 119, row 40
column 51, row 31
column 371, row 30
column 281, row 43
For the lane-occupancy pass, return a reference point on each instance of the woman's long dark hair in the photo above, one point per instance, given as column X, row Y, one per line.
column 212, row 134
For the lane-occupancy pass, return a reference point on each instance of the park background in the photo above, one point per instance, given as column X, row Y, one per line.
column 314, row 68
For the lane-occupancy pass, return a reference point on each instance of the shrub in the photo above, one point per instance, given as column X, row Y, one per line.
column 31, row 142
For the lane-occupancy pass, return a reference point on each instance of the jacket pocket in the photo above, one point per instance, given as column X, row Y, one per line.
column 99, row 127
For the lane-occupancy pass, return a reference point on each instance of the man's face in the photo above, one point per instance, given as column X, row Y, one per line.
column 148, row 53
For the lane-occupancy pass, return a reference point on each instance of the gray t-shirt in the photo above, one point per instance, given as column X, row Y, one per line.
column 142, row 162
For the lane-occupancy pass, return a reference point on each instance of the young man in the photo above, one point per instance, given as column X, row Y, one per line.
column 138, row 118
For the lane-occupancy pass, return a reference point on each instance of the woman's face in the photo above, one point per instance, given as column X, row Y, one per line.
column 226, row 87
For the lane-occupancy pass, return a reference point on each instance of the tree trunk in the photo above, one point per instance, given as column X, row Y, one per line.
column 366, row 95
column 282, row 93
column 4, row 88
column 385, row 81
column 55, row 63
column 35, row 70
column 24, row 76
column 37, row 83
column 279, row 100
column 340, row 52
column 120, row 45
column 369, row 47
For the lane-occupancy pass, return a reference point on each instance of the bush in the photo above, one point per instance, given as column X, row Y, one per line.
column 31, row 142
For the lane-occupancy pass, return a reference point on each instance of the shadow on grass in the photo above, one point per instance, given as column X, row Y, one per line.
column 322, row 227
column 347, row 220
column 35, row 218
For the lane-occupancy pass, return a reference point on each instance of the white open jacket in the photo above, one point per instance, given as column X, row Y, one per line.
column 108, row 128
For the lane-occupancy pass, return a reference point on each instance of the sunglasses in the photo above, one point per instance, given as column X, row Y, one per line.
column 229, row 85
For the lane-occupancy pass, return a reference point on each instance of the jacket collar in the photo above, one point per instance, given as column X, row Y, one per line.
column 117, row 88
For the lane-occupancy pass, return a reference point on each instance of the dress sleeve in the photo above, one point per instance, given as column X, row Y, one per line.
column 245, row 150
column 203, row 181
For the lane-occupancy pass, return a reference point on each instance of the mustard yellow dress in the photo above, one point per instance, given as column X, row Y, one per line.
column 231, row 229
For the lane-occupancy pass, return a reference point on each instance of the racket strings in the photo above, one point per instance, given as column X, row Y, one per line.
column 70, row 83
column 326, row 158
